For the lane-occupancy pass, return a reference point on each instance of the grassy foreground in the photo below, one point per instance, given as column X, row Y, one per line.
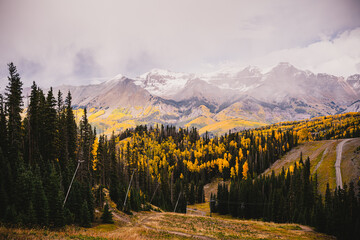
column 171, row 226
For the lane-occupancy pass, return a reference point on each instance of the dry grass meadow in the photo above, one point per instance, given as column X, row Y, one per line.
column 171, row 226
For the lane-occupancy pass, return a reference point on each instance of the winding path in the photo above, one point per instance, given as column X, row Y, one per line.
column 339, row 149
column 322, row 158
column 194, row 211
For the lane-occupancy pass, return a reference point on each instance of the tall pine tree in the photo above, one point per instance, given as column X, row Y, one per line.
column 14, row 105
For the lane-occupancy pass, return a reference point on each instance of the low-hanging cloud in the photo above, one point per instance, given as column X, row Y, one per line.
column 339, row 56
column 85, row 65
column 63, row 42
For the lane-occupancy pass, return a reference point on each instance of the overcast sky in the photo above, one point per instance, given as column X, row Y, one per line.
column 81, row 42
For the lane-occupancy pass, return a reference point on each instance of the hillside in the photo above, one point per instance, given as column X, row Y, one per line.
column 323, row 157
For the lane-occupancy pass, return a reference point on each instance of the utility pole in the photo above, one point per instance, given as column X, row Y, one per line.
column 154, row 193
column 177, row 202
column 67, row 194
column 127, row 192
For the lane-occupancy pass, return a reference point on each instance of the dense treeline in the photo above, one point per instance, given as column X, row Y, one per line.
column 292, row 196
column 173, row 164
column 322, row 128
column 38, row 156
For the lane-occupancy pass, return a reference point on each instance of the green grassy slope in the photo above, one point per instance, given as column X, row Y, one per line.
column 322, row 158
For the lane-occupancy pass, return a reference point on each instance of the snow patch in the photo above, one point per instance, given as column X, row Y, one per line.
column 163, row 83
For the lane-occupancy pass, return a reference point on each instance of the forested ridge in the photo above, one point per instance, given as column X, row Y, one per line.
column 167, row 167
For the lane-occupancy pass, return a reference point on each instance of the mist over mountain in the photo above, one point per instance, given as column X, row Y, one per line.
column 216, row 102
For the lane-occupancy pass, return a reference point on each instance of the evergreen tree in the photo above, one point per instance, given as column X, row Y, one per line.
column 86, row 140
column 85, row 216
column 3, row 129
column 69, row 216
column 33, row 128
column 75, row 201
column 11, row 215
column 71, row 128
column 55, row 200
column 60, row 102
column 90, row 201
column 24, row 191
column 3, row 201
column 14, row 105
column 50, row 127
column 31, row 215
column 6, row 184
column 135, row 200
column 41, row 205
column 106, row 217
column 200, row 196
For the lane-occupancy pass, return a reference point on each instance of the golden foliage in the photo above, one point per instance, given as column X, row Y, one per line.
column 245, row 170
column 94, row 154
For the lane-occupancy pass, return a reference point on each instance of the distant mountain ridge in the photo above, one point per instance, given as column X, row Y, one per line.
column 217, row 102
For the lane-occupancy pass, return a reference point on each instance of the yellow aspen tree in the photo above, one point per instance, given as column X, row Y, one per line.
column 232, row 172
column 245, row 170
column 94, row 154
column 237, row 166
column 241, row 155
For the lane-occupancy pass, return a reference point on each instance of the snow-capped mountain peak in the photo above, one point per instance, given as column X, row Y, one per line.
column 163, row 83
column 163, row 73
column 114, row 80
column 119, row 76
column 284, row 67
column 283, row 93
column 354, row 81
column 277, row 84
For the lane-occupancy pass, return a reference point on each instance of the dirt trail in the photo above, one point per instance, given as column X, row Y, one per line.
column 194, row 211
column 119, row 217
column 308, row 149
column 143, row 220
column 339, row 149
column 322, row 158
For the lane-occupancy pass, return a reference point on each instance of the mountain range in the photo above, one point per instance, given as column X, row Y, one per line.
column 229, row 99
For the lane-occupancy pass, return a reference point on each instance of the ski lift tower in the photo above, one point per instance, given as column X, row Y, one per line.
column 127, row 192
column 67, row 194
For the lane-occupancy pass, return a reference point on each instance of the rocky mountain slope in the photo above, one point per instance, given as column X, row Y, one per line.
column 220, row 101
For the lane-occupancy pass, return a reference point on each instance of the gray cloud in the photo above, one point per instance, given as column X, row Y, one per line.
column 85, row 66
column 357, row 66
column 141, row 63
column 338, row 56
column 76, row 41
column 29, row 68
